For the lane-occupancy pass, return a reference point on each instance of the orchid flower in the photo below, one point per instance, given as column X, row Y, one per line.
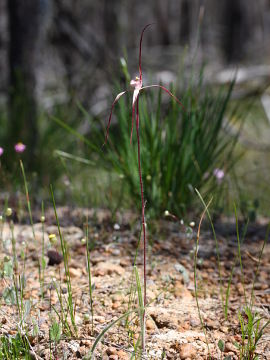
column 137, row 86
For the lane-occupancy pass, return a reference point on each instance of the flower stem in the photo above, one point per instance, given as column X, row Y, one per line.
column 143, row 221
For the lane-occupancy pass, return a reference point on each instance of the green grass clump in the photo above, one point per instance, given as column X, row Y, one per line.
column 251, row 333
column 252, row 325
column 14, row 347
column 180, row 150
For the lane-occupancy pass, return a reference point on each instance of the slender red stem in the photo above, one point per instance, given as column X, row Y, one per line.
column 110, row 117
column 135, row 111
column 166, row 90
column 140, row 53
column 143, row 218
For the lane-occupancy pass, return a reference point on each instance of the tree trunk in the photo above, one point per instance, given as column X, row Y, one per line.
column 236, row 29
column 24, row 33
column 161, row 12
column 110, row 24
column 185, row 21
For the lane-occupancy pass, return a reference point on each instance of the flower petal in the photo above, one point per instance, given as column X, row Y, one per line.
column 136, row 84
column 135, row 96
column 110, row 117
column 133, row 83
column 132, row 123
column 136, row 93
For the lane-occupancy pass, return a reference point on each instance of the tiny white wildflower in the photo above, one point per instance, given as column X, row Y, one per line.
column 116, row 227
column 8, row 212
column 83, row 240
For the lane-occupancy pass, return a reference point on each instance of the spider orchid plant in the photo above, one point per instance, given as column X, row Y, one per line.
column 137, row 87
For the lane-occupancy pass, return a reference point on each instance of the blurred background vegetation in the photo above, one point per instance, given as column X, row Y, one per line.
column 63, row 62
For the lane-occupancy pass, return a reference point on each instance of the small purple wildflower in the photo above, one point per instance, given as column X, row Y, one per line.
column 219, row 174
column 1, row 151
column 19, row 147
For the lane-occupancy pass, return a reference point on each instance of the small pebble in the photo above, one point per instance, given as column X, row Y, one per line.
column 187, row 351
column 55, row 258
column 111, row 351
column 150, row 325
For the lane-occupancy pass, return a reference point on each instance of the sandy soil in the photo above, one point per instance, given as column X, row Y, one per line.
column 173, row 326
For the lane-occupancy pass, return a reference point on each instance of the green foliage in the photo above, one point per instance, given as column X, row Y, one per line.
column 88, row 266
column 195, row 270
column 179, row 149
column 70, row 302
column 251, row 333
column 100, row 336
column 250, row 322
column 14, row 348
column 44, row 164
column 141, row 307
column 237, row 257
column 9, row 295
column 42, row 263
column 55, row 332
column 221, row 345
